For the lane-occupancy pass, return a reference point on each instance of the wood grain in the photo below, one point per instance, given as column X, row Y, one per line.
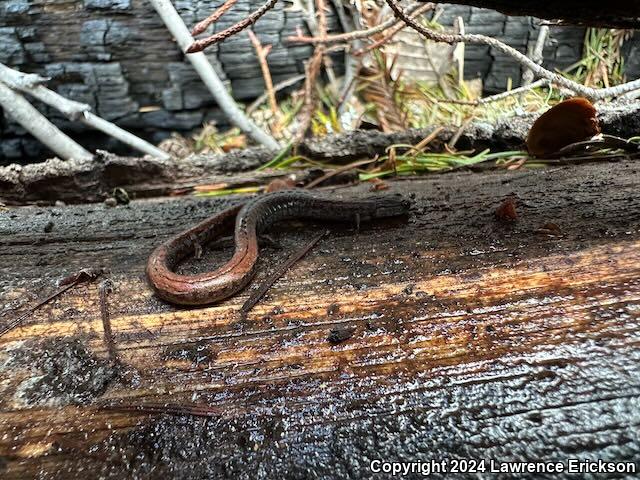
column 473, row 338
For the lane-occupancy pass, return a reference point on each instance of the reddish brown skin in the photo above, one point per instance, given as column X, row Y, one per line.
column 568, row 122
column 261, row 211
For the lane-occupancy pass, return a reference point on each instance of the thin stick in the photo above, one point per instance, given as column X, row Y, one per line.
column 536, row 55
column 422, row 144
column 67, row 283
column 261, row 53
column 210, row 78
column 204, row 24
column 352, row 65
column 454, row 140
column 276, row 88
column 19, row 109
column 75, row 111
column 255, row 297
column 335, row 172
column 312, row 70
column 591, row 93
column 391, row 32
column 106, row 288
column 200, row 45
column 356, row 34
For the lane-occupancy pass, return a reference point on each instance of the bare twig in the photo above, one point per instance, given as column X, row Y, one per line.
column 422, row 144
column 351, row 65
column 106, row 287
column 276, row 88
column 498, row 96
column 536, row 54
column 204, row 24
column 458, row 51
column 312, row 71
column 201, row 64
column 591, row 93
column 337, row 171
column 261, row 53
column 451, row 145
column 200, row 45
column 67, row 283
column 339, row 8
column 255, row 297
column 19, row 109
column 395, row 28
column 356, row 34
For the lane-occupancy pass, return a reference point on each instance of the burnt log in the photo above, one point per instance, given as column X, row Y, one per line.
column 613, row 14
column 469, row 338
column 94, row 180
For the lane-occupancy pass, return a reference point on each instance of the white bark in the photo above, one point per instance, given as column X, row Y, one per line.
column 536, row 54
column 225, row 101
column 20, row 110
column 32, row 84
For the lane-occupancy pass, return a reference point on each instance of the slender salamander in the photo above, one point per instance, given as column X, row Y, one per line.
column 254, row 216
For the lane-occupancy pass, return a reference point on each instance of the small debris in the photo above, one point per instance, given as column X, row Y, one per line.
column 260, row 292
column 333, row 309
column 121, row 196
column 280, row 184
column 110, row 202
column 81, row 276
column 507, row 212
column 549, row 228
column 339, row 335
column 49, row 226
column 378, row 185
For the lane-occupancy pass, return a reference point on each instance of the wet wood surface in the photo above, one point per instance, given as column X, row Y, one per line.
column 447, row 334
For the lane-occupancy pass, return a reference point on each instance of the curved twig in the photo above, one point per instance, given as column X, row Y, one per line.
column 200, row 45
column 204, row 24
column 591, row 93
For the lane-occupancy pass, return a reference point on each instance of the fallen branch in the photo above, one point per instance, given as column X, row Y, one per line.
column 225, row 101
column 151, row 177
column 538, row 70
column 19, row 109
column 32, row 85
